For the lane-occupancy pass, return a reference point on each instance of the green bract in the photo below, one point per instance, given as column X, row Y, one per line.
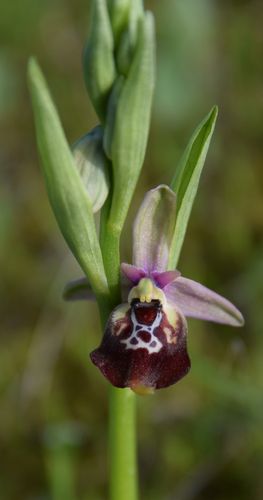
column 119, row 15
column 129, row 37
column 186, row 180
column 111, row 114
column 93, row 166
column 65, row 188
column 130, row 129
column 98, row 59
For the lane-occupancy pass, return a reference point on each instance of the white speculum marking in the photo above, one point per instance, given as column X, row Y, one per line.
column 135, row 342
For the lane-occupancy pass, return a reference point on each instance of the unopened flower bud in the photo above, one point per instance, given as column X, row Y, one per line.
column 98, row 59
column 93, row 166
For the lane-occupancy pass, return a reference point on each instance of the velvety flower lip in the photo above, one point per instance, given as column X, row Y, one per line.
column 144, row 343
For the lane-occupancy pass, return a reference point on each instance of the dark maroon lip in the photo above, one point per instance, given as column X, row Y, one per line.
column 136, row 363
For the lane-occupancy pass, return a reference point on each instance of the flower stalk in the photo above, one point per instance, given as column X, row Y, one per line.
column 123, row 444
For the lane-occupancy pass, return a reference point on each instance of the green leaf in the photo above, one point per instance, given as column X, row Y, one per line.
column 93, row 166
column 186, row 180
column 98, row 58
column 132, row 121
column 65, row 188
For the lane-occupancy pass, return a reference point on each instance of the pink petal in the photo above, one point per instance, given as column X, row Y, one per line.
column 153, row 229
column 164, row 279
column 133, row 273
column 197, row 301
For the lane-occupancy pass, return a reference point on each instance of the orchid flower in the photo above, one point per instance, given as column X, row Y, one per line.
column 144, row 346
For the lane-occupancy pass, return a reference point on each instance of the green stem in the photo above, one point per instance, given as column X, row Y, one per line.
column 122, row 415
column 122, row 445
column 111, row 259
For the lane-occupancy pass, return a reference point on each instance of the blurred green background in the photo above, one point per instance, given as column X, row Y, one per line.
column 198, row 440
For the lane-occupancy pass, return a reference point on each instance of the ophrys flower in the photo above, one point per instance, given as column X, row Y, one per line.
column 144, row 343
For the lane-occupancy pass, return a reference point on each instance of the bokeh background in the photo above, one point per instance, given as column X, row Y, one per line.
column 200, row 439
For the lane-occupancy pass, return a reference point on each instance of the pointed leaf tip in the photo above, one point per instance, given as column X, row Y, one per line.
column 186, row 180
